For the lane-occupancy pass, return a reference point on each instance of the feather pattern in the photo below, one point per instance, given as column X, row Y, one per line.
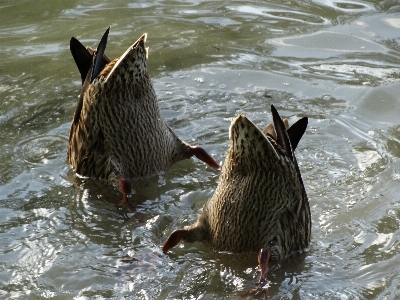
column 118, row 131
column 260, row 200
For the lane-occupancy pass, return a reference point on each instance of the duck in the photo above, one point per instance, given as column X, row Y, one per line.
column 118, row 134
column 260, row 203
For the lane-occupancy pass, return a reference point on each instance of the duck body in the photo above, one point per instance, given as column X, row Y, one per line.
column 118, row 131
column 260, row 201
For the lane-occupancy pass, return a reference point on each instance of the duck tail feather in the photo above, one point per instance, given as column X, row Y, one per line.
column 98, row 60
column 82, row 57
column 296, row 132
column 282, row 136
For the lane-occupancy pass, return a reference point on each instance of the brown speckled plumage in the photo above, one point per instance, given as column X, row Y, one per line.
column 118, row 131
column 260, row 200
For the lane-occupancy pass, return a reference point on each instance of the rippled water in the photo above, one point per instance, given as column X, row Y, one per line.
column 336, row 62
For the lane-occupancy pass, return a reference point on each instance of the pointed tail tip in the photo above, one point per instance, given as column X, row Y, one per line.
column 274, row 111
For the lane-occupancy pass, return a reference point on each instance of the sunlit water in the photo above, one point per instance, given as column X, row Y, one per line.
column 336, row 62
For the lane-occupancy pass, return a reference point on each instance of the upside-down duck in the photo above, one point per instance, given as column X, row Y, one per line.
column 260, row 203
column 118, row 133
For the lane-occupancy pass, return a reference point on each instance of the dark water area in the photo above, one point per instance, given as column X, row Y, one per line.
column 336, row 62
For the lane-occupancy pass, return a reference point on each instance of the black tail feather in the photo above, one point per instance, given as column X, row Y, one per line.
column 98, row 61
column 282, row 136
column 82, row 57
column 296, row 132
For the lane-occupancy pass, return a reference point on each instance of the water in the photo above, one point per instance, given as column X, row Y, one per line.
column 336, row 62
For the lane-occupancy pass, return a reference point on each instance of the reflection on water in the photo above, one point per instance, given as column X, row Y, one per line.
column 333, row 61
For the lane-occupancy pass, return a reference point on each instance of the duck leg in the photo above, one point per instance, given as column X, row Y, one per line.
column 202, row 154
column 125, row 185
column 259, row 291
column 263, row 257
column 126, row 188
column 174, row 239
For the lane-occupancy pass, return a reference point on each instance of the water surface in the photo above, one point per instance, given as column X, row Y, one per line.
column 336, row 62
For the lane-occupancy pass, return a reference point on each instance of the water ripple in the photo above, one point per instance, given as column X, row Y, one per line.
column 348, row 6
column 39, row 150
column 281, row 14
column 334, row 61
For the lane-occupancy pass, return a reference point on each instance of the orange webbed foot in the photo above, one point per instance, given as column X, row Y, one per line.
column 174, row 239
column 263, row 258
column 202, row 154
column 126, row 189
